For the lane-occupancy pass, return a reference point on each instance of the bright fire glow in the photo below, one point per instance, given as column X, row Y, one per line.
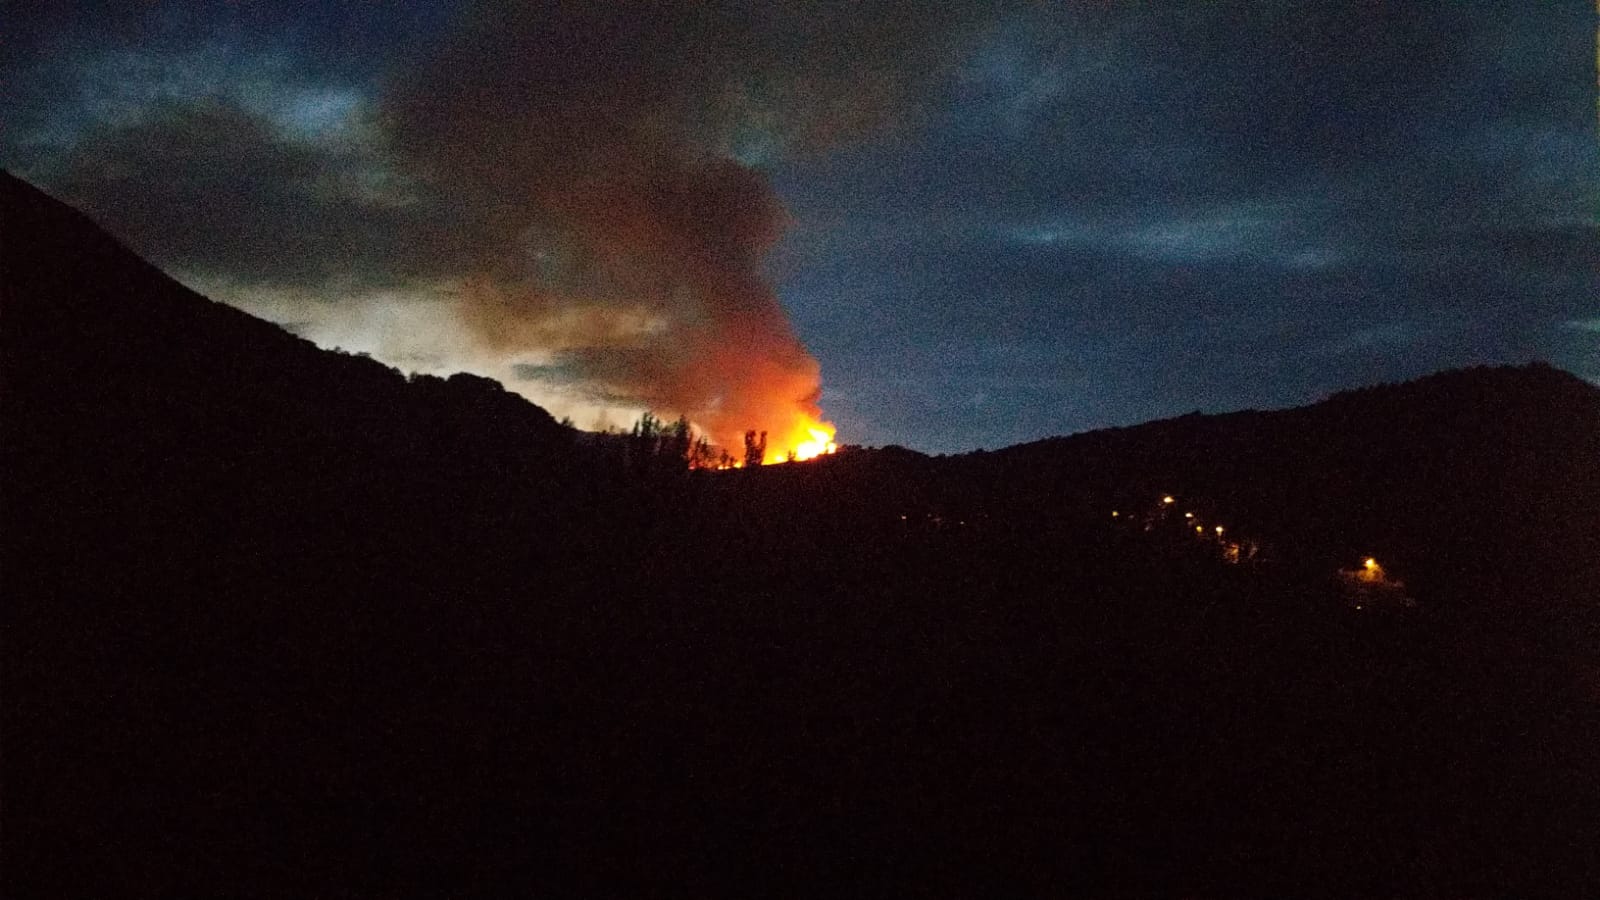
column 807, row 439
column 1370, row 563
column 821, row 442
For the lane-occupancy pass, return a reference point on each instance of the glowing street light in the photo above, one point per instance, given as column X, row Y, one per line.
column 1167, row 499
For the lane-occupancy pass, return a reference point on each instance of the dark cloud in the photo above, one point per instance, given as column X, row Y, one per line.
column 541, row 372
column 215, row 190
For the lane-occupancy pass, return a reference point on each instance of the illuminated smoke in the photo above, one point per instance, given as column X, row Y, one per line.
column 603, row 150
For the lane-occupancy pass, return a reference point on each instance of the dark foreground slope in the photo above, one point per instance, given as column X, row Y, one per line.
column 282, row 622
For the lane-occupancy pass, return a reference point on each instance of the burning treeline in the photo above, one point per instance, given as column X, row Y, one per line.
column 656, row 444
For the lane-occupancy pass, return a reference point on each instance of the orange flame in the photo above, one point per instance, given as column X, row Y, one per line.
column 806, row 438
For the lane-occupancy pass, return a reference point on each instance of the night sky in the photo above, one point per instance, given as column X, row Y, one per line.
column 976, row 228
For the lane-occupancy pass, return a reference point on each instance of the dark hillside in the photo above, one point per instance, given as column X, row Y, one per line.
column 1482, row 485
column 284, row 622
column 149, row 406
column 1481, row 488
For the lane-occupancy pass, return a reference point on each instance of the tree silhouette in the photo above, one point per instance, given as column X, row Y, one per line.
column 680, row 444
column 643, row 442
column 755, row 449
column 700, row 455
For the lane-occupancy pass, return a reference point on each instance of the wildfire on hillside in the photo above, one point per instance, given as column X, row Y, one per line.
column 807, row 439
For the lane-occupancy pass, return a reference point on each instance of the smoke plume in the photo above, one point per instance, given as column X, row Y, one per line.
column 610, row 153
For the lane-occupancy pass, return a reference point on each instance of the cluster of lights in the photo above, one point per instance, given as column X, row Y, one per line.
column 1370, row 568
column 1168, row 500
column 1193, row 519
